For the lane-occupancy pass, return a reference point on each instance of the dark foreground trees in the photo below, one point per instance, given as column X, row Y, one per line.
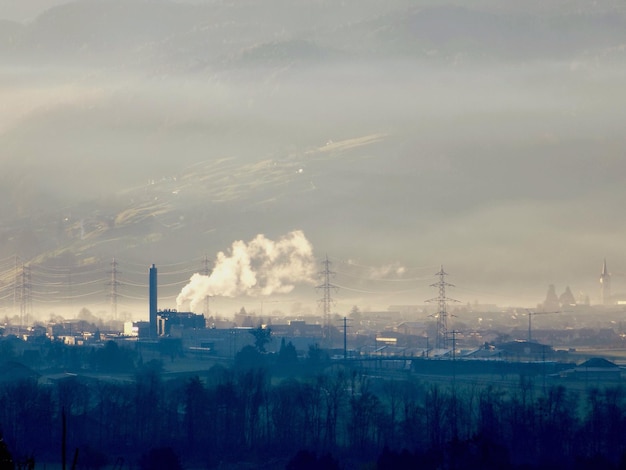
column 337, row 418
column 307, row 460
column 160, row 458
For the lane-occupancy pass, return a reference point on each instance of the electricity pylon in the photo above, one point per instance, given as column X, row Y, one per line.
column 326, row 301
column 441, row 341
column 113, row 289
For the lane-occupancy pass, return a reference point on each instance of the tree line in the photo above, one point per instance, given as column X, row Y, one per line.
column 249, row 413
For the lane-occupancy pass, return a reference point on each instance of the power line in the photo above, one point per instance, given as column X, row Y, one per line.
column 382, row 279
column 354, row 263
column 25, row 290
column 361, row 291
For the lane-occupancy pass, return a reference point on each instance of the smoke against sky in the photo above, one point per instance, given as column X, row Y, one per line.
column 259, row 267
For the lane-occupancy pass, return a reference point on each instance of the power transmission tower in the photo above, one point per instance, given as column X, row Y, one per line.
column 16, row 286
column 442, row 313
column 454, row 333
column 326, row 301
column 24, row 294
column 345, row 338
column 69, row 288
column 205, row 271
column 113, row 289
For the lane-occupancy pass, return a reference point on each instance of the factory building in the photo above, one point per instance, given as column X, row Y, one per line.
column 171, row 322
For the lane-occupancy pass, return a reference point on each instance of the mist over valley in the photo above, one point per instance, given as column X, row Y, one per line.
column 482, row 136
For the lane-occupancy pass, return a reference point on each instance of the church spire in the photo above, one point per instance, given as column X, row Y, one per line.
column 605, row 285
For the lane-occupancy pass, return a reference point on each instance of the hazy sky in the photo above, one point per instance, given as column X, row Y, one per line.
column 398, row 136
column 26, row 11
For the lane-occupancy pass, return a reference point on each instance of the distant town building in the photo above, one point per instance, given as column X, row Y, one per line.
column 525, row 350
column 552, row 301
column 566, row 299
column 583, row 299
column 139, row 329
column 413, row 328
column 216, row 342
column 596, row 368
column 605, row 285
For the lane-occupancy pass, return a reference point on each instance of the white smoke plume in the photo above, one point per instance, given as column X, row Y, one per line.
column 387, row 271
column 260, row 267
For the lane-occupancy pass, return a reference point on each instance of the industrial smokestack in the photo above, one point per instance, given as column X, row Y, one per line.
column 153, row 301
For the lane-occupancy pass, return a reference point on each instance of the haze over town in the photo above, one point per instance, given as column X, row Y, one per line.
column 396, row 136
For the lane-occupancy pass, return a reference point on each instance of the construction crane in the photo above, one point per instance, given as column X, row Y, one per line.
column 530, row 315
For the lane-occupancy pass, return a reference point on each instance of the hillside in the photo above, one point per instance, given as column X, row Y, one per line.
column 413, row 130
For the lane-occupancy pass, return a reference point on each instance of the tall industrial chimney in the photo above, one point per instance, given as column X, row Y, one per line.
column 153, row 301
